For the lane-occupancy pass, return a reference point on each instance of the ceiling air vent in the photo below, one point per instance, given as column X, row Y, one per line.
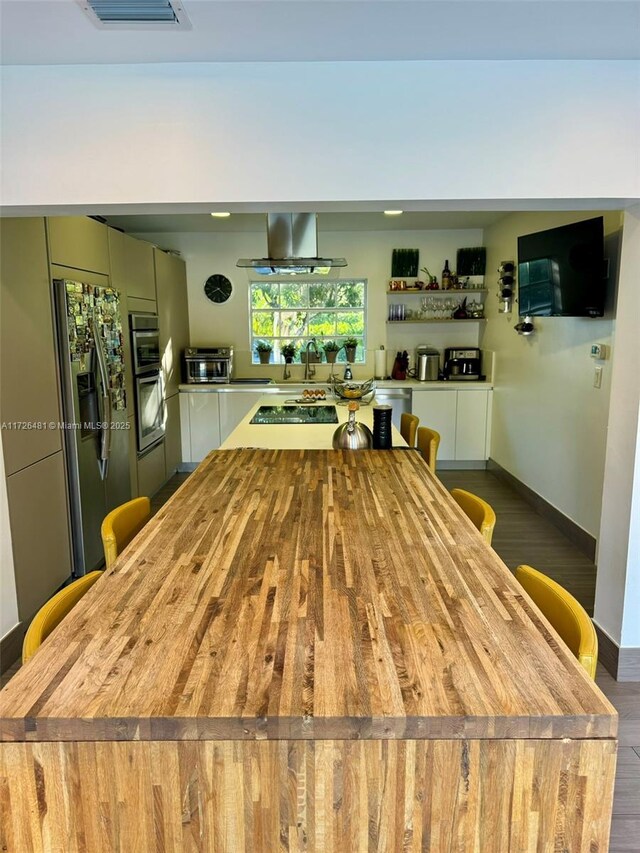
column 136, row 14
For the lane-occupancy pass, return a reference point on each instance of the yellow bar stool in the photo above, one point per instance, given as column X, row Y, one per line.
column 408, row 426
column 567, row 615
column 53, row 612
column 121, row 525
column 428, row 443
column 480, row 512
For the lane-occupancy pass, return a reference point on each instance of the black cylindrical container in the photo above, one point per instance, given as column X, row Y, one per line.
column 382, row 427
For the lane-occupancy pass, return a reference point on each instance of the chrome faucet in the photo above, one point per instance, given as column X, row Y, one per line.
column 309, row 369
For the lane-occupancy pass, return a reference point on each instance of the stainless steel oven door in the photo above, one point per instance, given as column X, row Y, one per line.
column 150, row 410
column 145, row 349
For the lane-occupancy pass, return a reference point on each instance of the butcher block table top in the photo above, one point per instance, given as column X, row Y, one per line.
column 305, row 594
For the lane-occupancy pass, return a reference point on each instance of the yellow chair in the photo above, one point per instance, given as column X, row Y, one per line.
column 479, row 511
column 53, row 612
column 121, row 525
column 567, row 615
column 428, row 443
column 408, row 426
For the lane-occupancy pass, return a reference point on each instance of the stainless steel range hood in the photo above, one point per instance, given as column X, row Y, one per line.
column 292, row 244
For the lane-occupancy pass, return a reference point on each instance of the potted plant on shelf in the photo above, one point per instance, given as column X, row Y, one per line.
column 331, row 350
column 350, row 346
column 289, row 352
column 264, row 351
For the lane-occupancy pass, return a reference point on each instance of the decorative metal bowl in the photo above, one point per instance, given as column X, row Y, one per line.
column 353, row 390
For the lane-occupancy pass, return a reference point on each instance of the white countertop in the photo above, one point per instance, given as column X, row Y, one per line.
column 383, row 384
column 295, row 436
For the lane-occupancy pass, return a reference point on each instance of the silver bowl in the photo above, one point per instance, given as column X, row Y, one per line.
column 354, row 390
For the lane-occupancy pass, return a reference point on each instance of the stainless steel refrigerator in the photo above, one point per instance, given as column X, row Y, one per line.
column 94, row 410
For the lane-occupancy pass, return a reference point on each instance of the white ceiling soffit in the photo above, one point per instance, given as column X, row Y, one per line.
column 136, row 14
column 51, row 32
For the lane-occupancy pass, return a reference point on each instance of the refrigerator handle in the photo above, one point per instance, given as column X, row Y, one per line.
column 105, row 438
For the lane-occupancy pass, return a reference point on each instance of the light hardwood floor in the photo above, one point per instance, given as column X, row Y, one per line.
column 522, row 536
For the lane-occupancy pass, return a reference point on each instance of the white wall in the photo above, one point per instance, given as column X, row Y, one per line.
column 8, row 599
column 549, row 423
column 368, row 254
column 275, row 132
column 618, row 582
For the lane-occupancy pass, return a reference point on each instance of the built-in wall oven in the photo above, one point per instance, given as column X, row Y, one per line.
column 147, row 379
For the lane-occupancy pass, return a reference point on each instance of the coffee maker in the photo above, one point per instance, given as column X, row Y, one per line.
column 462, row 364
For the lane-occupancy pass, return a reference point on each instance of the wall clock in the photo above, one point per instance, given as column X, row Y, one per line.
column 218, row 288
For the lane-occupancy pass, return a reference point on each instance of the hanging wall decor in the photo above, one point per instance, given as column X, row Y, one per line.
column 404, row 263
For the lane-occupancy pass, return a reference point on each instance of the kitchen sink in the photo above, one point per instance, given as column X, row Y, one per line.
column 295, row 415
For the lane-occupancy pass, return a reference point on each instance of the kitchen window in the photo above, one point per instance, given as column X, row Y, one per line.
column 293, row 312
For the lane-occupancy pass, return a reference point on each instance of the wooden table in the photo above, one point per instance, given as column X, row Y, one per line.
column 306, row 650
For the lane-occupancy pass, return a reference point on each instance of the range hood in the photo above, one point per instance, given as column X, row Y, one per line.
column 292, row 244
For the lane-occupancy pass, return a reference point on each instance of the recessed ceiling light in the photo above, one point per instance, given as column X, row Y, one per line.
column 221, row 214
column 393, row 212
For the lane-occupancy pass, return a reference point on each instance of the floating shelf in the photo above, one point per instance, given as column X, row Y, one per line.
column 438, row 320
column 424, row 292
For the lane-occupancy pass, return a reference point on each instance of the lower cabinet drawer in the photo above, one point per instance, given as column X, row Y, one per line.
column 151, row 471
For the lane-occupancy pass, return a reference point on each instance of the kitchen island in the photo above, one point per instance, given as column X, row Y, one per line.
column 309, row 436
column 306, row 650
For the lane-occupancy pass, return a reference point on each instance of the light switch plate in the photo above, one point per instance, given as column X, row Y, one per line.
column 597, row 378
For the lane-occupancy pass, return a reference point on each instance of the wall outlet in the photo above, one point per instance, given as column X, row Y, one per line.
column 597, row 378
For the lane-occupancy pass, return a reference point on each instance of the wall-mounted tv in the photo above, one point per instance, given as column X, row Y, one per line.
column 561, row 272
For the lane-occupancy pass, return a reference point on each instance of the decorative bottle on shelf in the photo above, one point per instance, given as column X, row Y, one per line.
column 446, row 276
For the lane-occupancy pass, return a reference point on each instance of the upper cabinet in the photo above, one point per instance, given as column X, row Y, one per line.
column 78, row 242
column 132, row 268
column 28, row 382
column 173, row 314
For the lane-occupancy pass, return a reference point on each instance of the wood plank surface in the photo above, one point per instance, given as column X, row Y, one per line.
column 301, row 595
column 386, row 796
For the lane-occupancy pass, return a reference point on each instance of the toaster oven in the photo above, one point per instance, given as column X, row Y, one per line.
column 209, row 365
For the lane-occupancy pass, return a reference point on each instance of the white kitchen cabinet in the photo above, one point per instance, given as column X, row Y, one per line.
column 461, row 416
column 234, row 405
column 437, row 410
column 471, row 425
column 200, row 423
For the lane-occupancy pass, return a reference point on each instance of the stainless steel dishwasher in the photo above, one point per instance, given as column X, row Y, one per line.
column 398, row 398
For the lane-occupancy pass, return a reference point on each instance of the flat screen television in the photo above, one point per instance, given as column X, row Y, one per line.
column 561, row 272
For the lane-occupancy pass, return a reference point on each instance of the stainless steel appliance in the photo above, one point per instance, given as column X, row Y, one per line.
column 147, row 381
column 94, row 411
column 398, row 398
column 208, row 365
column 462, row 363
column 145, row 342
column 427, row 363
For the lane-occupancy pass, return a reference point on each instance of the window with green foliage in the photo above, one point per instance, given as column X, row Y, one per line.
column 293, row 312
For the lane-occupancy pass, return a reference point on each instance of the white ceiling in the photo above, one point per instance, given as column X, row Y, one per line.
column 194, row 222
column 52, row 32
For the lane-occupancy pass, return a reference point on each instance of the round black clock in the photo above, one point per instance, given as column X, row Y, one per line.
column 218, row 288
